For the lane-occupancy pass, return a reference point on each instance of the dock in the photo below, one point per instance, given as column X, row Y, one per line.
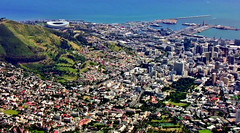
column 191, row 31
column 175, row 20
column 221, row 27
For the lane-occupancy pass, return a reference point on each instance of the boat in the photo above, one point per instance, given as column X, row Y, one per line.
column 169, row 21
column 189, row 24
column 155, row 25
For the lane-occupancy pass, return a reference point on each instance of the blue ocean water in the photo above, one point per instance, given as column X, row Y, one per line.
column 224, row 34
column 225, row 12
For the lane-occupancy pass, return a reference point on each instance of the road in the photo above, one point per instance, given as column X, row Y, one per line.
column 133, row 103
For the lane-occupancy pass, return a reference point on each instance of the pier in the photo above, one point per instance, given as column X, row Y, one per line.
column 190, row 31
column 200, row 16
column 221, row 27
column 175, row 20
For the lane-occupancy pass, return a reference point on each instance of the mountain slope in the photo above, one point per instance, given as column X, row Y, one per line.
column 40, row 50
column 20, row 42
column 70, row 59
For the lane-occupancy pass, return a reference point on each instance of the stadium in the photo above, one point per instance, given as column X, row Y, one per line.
column 57, row 24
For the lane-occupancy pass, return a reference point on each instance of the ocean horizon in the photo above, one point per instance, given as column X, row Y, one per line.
column 120, row 11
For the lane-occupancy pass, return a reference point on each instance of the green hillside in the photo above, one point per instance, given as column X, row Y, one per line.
column 19, row 42
column 50, row 53
column 40, row 50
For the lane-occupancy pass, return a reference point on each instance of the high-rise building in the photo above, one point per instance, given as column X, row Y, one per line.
column 208, row 56
column 205, row 49
column 150, row 68
column 217, row 65
column 238, row 116
column 212, row 53
column 179, row 67
column 216, row 49
column 199, row 49
column 226, row 81
column 214, row 78
column 224, row 51
column 231, row 60
column 204, row 60
column 237, row 86
column 210, row 47
column 187, row 44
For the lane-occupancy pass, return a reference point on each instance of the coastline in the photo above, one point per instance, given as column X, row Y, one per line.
column 229, row 33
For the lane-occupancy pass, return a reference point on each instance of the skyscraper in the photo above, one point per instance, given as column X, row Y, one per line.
column 214, row 78
column 187, row 44
column 226, row 81
column 231, row 60
column 212, row 53
column 208, row 56
column 238, row 115
column 179, row 67
column 199, row 49
column 217, row 65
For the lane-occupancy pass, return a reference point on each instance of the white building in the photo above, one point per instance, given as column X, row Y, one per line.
column 57, row 24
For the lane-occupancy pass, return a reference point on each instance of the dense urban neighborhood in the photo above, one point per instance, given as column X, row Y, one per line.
column 135, row 77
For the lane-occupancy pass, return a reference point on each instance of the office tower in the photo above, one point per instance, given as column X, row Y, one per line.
column 212, row 53
column 238, row 115
column 226, row 81
column 199, row 49
column 179, row 67
column 208, row 56
column 231, row 60
column 210, row 47
column 205, row 49
column 214, row 78
column 216, row 49
column 204, row 60
column 150, row 68
column 187, row 44
column 217, row 65
column 224, row 51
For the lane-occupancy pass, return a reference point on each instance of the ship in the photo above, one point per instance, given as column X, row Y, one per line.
column 226, row 28
column 189, row 24
column 169, row 21
column 155, row 25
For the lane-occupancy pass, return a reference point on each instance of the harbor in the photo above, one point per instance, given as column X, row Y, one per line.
column 202, row 26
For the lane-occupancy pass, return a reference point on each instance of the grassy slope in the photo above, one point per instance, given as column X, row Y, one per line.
column 29, row 41
column 11, row 45
column 55, row 54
